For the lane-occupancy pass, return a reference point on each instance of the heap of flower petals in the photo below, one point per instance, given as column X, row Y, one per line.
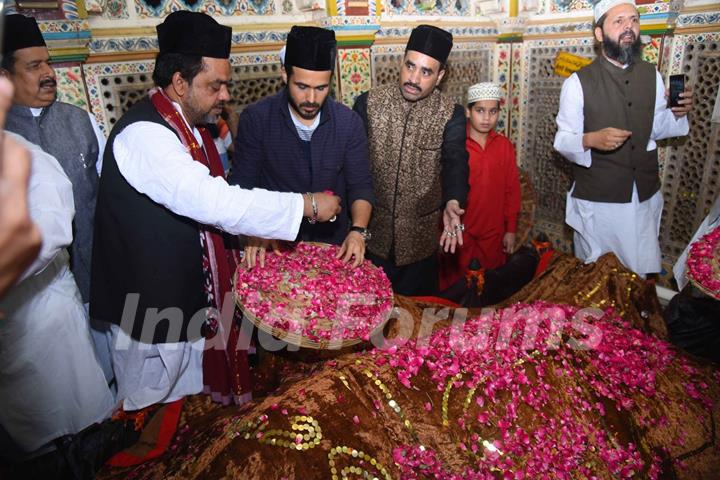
column 527, row 393
column 703, row 264
column 306, row 290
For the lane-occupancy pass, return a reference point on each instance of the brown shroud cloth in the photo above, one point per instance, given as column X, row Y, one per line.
column 348, row 400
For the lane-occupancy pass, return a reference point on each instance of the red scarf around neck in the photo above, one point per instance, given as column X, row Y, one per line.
column 226, row 372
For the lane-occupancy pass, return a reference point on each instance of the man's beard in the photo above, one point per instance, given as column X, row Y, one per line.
column 622, row 53
column 194, row 114
column 297, row 108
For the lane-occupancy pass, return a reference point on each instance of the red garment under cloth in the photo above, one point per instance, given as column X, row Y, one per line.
column 492, row 208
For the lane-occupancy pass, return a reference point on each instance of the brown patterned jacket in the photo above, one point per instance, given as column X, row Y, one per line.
column 418, row 162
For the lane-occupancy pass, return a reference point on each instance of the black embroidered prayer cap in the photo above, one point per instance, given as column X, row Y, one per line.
column 432, row 41
column 194, row 33
column 21, row 32
column 311, row 48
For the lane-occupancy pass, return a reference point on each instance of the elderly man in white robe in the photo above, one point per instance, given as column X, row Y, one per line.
column 40, row 118
column 51, row 383
column 611, row 114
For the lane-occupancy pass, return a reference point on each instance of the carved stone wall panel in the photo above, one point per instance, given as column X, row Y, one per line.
column 549, row 171
column 111, row 85
column 469, row 62
column 253, row 81
column 691, row 179
column 113, row 88
column 385, row 62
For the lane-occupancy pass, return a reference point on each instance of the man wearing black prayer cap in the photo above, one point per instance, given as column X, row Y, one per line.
column 159, row 259
column 299, row 140
column 68, row 133
column 419, row 165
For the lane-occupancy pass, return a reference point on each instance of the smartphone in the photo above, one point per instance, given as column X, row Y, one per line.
column 677, row 86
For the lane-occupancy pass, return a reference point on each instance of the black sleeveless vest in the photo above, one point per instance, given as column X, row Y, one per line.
column 143, row 248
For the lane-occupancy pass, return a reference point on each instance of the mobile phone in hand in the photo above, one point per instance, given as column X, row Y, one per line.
column 677, row 86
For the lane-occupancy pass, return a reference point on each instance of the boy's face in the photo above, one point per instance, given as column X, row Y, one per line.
column 483, row 115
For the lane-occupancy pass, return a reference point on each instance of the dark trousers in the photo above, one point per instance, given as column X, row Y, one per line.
column 416, row 279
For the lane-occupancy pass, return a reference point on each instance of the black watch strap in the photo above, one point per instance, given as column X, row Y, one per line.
column 362, row 231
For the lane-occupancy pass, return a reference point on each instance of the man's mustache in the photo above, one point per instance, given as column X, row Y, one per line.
column 413, row 85
column 48, row 82
column 631, row 35
column 309, row 105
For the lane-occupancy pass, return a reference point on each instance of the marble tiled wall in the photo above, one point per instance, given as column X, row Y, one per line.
column 107, row 55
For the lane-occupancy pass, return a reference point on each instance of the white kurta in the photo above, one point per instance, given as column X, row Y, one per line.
column 98, row 331
column 50, row 381
column 629, row 230
column 154, row 162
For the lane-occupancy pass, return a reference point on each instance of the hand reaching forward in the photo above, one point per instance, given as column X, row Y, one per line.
column 255, row 250
column 452, row 235
column 353, row 246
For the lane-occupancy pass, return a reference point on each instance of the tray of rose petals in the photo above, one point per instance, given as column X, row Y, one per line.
column 703, row 264
column 305, row 296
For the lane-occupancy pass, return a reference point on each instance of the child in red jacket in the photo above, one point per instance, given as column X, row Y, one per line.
column 493, row 203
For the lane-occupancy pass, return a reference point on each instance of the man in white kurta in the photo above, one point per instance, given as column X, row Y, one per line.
column 164, row 171
column 156, row 195
column 628, row 229
column 50, row 381
column 68, row 133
